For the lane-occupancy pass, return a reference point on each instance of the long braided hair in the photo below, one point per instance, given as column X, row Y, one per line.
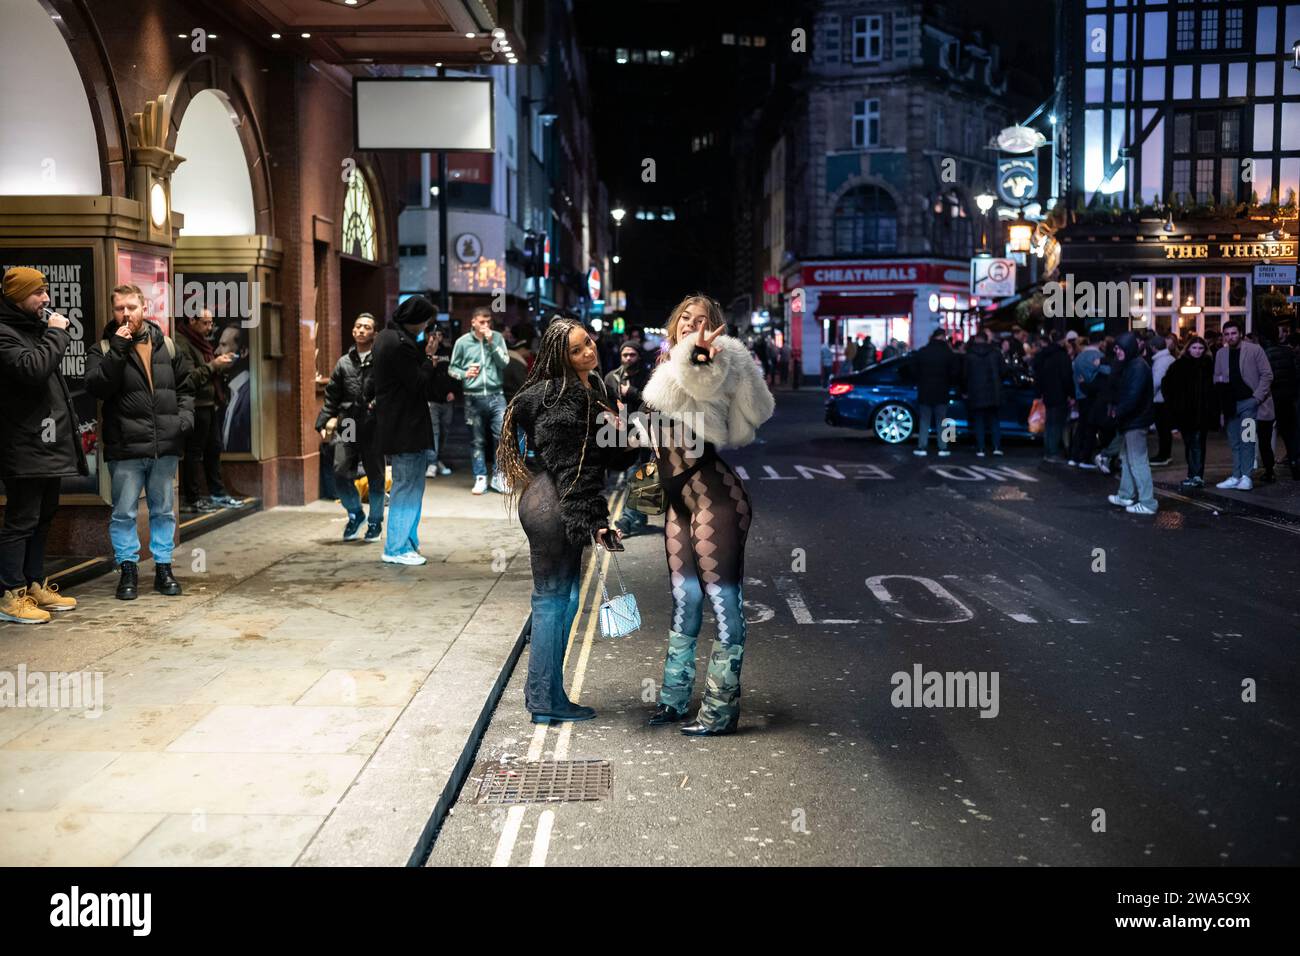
column 550, row 366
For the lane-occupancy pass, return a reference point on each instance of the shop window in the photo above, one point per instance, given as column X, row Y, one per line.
column 359, row 236
column 865, row 222
column 1164, row 322
column 1164, row 292
column 1237, row 292
column 1212, row 298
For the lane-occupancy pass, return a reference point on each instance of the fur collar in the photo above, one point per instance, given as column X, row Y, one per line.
column 722, row 402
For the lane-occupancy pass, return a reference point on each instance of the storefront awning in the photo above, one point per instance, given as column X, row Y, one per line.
column 899, row 303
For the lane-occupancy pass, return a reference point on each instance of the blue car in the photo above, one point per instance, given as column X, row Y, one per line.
column 882, row 398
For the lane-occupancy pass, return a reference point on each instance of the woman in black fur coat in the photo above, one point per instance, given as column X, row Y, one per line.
column 560, row 411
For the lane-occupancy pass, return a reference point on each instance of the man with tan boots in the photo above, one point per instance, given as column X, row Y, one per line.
column 39, row 444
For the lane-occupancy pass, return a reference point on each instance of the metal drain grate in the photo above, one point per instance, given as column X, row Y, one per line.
column 544, row 781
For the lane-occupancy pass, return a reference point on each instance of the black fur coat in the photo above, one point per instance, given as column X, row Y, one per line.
column 557, row 423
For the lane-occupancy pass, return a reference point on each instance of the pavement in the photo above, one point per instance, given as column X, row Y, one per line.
column 301, row 703
column 1145, row 712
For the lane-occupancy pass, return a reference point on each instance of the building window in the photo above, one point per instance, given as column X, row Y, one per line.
column 868, row 33
column 1209, row 28
column 1204, row 180
column 1182, row 179
column 1201, row 139
column 865, row 222
column 866, row 123
column 359, row 236
column 1233, row 36
column 1185, row 38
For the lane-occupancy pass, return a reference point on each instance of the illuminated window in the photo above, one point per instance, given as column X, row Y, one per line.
column 359, row 235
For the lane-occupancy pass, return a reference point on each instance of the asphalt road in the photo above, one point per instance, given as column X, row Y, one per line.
column 1118, row 734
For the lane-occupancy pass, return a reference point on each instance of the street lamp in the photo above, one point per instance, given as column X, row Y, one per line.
column 1021, row 236
column 617, row 214
column 985, row 202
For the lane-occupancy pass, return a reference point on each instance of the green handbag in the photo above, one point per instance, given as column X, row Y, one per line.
column 645, row 493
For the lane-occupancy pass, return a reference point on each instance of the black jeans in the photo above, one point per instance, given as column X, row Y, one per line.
column 203, row 456
column 982, row 418
column 1164, row 431
column 1194, row 445
column 1264, row 433
column 1286, row 426
column 28, row 512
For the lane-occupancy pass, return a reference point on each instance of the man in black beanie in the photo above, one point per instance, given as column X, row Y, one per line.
column 405, row 380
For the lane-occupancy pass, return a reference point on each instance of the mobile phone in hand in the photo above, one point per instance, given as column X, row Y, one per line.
column 610, row 541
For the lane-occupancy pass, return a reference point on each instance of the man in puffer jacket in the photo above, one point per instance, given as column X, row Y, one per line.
column 144, row 382
column 1133, row 414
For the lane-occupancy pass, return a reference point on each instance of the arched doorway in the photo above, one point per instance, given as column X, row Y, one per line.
column 362, row 285
column 226, row 259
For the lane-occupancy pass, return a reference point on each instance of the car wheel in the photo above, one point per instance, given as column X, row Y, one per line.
column 893, row 423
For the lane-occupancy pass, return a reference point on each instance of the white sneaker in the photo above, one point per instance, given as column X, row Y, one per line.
column 998, row 452
column 410, row 557
column 944, row 453
column 920, row 452
column 1229, row 482
column 979, row 454
column 431, row 471
column 1245, row 484
column 499, row 485
column 443, row 469
column 480, row 485
column 1120, row 502
column 1072, row 463
column 1138, row 508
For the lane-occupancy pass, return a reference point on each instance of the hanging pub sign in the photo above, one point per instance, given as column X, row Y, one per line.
column 70, row 273
column 1017, row 180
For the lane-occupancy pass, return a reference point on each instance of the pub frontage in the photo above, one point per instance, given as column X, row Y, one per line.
column 1183, row 276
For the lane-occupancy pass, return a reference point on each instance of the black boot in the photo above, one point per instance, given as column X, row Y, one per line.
column 665, row 715
column 163, row 582
column 569, row 711
column 128, row 583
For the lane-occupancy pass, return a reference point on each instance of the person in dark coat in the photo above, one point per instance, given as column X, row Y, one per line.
column 938, row 369
column 1193, row 403
column 1054, row 384
column 39, row 443
column 347, row 420
column 1133, row 413
column 144, row 382
column 625, row 384
column 404, row 382
column 203, row 444
column 983, row 374
column 1286, row 386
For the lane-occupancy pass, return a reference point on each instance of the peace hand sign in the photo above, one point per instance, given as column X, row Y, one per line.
column 708, row 338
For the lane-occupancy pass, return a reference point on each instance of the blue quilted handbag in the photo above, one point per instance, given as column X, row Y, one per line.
column 619, row 615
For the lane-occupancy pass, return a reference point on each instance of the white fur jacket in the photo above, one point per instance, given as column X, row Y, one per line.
column 723, row 401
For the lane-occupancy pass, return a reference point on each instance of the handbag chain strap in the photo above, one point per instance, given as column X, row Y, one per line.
column 617, row 571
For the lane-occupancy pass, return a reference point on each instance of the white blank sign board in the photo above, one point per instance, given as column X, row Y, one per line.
column 424, row 113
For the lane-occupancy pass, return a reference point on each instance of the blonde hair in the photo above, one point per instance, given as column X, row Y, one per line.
column 712, row 320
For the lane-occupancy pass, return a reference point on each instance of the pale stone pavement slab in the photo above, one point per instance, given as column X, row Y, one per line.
column 238, row 720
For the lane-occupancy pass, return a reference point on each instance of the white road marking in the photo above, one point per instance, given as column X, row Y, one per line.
column 993, row 597
column 789, row 590
column 542, row 842
column 877, row 587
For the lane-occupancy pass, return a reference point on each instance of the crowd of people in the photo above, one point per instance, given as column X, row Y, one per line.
column 1101, row 395
column 162, row 399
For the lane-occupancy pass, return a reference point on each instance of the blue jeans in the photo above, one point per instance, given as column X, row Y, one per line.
column 979, row 418
column 441, row 413
column 156, row 477
column 405, row 502
column 481, row 412
column 1057, row 416
column 1243, row 452
column 927, row 412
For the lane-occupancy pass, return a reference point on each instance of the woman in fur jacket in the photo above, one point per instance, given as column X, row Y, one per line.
column 709, row 395
column 559, row 410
